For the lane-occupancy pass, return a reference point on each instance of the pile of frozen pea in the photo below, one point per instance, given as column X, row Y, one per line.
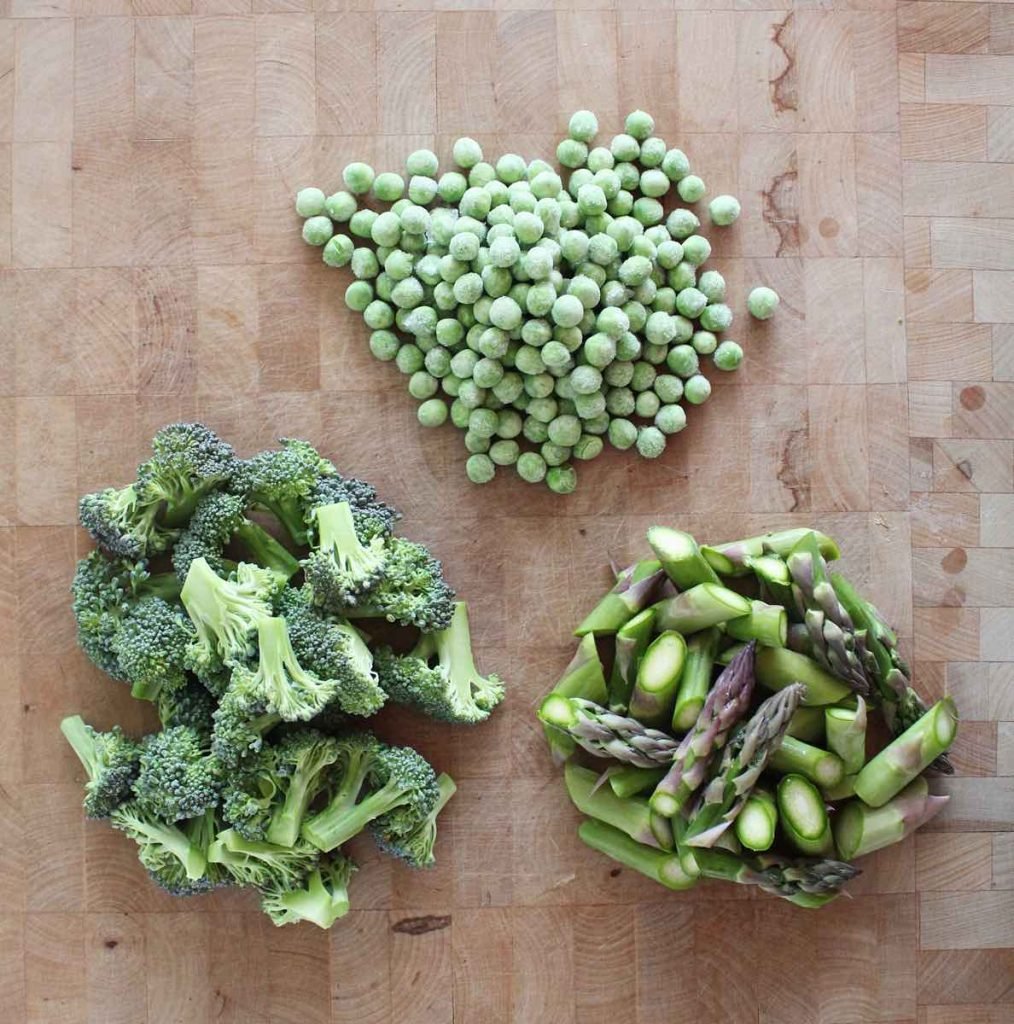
column 552, row 316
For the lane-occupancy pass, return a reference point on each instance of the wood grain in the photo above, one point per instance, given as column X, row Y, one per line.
column 151, row 269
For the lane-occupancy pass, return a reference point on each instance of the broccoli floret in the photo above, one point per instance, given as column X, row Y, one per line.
column 416, row 846
column 282, row 482
column 190, row 704
column 393, row 785
column 225, row 613
column 303, row 759
column 151, row 647
column 111, row 760
column 219, row 519
column 189, row 461
column 372, row 516
column 413, row 591
column 332, row 649
column 342, row 570
column 160, row 844
column 321, row 900
column 124, row 522
column 169, row 873
column 241, row 722
column 104, row 590
column 439, row 675
column 251, row 793
column 265, row 865
column 178, row 777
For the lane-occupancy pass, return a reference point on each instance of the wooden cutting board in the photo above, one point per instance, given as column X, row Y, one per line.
column 153, row 270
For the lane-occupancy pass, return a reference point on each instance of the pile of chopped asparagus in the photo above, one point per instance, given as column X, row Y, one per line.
column 749, row 718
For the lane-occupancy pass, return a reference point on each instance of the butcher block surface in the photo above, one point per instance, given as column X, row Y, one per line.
column 152, row 270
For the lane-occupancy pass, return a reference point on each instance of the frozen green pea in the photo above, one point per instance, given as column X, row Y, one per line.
column 583, row 126
column 600, row 350
column 574, row 246
column 591, row 199
column 414, row 244
column 587, row 324
column 571, row 337
column 535, row 430
column 598, row 425
column 625, row 148
column 398, row 205
column 543, row 407
column 724, row 210
column 511, row 167
column 422, row 386
column 650, row 442
column 614, row 293
column 480, row 468
column 682, row 223
column 609, row 182
column 463, row 363
column 464, row 247
column 561, row 479
column 589, row 406
column 618, row 373
column 762, row 302
column 310, row 202
column 578, row 179
column 684, row 275
column 505, row 313
column 570, row 215
column 646, row 404
column 459, row 412
column 713, row 285
column 504, row 452
column 547, row 210
column 523, row 202
column 716, row 317
column 529, row 361
column 588, row 447
column 421, row 321
column 620, row 401
column 511, row 386
column 537, row 167
column 438, row 359
column 671, row 419
column 466, row 316
column 565, row 431
column 317, row 230
column 481, row 174
column 704, row 342
column 653, row 152
column 531, row 467
column 547, row 185
column 554, row 454
column 696, row 249
column 563, row 390
column 483, row 422
column 476, row 202
column 386, row 229
column 691, row 188
column 488, row 372
column 643, row 376
column 388, row 187
column 361, row 222
column 358, row 178
column 415, row 221
column 621, row 204
column 468, row 288
column 592, row 272
column 675, row 164
column 338, row 250
column 409, row 359
column 697, row 389
column 422, row 189
column 384, row 345
column 539, row 301
column 597, row 223
column 340, row 206
column 452, row 186
column 629, row 175
column 481, row 308
column 432, row 412
column 444, row 300
column 528, row 227
column 690, row 302
column 567, row 311
column 634, row 270
column 668, row 387
column 648, row 210
column 451, row 385
column 659, row 328
column 654, row 354
column 422, row 161
column 508, row 423
column 665, row 300
column 654, row 183
column 493, row 343
column 622, row 434
column 728, row 356
column 682, row 360
column 471, row 394
column 585, row 290
column 600, row 159
column 642, row 246
column 378, row 315
column 572, row 153
column 496, row 281
column 364, row 263
column 639, row 124
column 442, row 222
column 519, row 293
column 585, row 380
column 466, row 152
column 637, row 315
column 555, row 355
column 383, row 285
column 624, row 230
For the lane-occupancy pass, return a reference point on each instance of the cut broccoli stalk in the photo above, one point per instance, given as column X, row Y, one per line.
column 160, row 840
column 266, row 551
column 342, row 569
column 416, row 847
column 111, row 761
column 311, row 755
column 321, row 900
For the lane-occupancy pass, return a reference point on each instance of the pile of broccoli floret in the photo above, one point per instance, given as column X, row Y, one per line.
column 238, row 596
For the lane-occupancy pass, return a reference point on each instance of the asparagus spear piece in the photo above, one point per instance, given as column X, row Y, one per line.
column 757, row 822
column 844, row 789
column 820, row 766
column 680, row 557
column 907, row 756
column 632, row 816
column 629, row 780
column 724, row 706
column 606, row 734
column 664, row 868
column 630, row 594
column 702, row 606
column 584, row 678
column 657, row 679
column 768, row 624
column 775, row 581
column 731, row 559
column 860, row 829
column 846, row 734
column 803, row 816
column 778, row 667
column 641, row 570
column 743, row 761
column 807, row 724
column 632, row 639
column 696, row 679
column 726, row 654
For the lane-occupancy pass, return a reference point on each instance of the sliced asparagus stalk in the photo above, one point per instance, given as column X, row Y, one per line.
column 778, row 668
column 757, row 822
column 629, row 780
column 629, row 595
column 702, row 606
column 632, row 816
column 820, row 766
column 907, row 756
column 803, row 816
column 680, row 557
column 664, row 868
column 768, row 624
column 808, row 725
column 846, row 735
column 657, row 680
column 726, row 654
column 583, row 678
column 731, row 559
column 632, row 639
column 696, row 679
column 642, row 570
column 775, row 581
column 844, row 789
column 860, row 829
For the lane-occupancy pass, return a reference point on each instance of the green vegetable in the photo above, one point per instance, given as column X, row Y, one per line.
column 846, row 735
column 724, row 210
column 860, row 829
column 704, row 605
column 657, row 679
column 664, row 868
column 762, row 303
column 631, row 816
column 758, row 821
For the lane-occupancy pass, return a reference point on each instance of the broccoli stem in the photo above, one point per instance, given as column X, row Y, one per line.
column 631, row 641
column 807, row 724
column 777, row 668
column 756, row 824
column 194, row 861
column 846, row 735
column 267, row 551
column 657, row 680
column 702, row 606
column 627, row 597
column 337, row 824
column 164, row 584
column 81, row 739
column 662, row 867
column 731, row 559
column 455, row 654
column 629, row 780
column 288, row 818
column 696, row 679
column 583, row 677
column 314, row 903
column 768, row 624
column 803, row 816
column 819, row 766
column 680, row 557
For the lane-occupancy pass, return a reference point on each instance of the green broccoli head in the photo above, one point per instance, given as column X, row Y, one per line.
column 251, row 792
column 178, row 777
column 342, row 569
column 188, row 461
column 395, row 786
column 124, row 522
column 218, row 520
column 373, row 518
column 170, row 874
column 225, row 613
column 285, row 686
column 304, row 758
column 190, row 704
column 413, row 591
column 264, row 865
column 241, row 722
column 165, row 850
column 111, row 760
column 322, row 899
column 332, row 649
column 415, row 847
column 151, row 646
column 282, row 482
column 439, row 675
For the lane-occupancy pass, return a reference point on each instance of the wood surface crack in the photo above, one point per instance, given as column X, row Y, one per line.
column 422, row 925
column 788, row 474
column 783, row 86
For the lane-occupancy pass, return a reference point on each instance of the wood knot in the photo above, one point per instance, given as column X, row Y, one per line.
column 421, row 925
column 954, row 561
column 973, row 397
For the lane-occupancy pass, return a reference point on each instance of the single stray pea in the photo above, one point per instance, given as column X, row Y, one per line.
column 762, row 302
column 310, row 202
column 561, row 479
column 583, row 126
column 724, row 210
column 728, row 356
column 432, row 412
column 639, row 124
